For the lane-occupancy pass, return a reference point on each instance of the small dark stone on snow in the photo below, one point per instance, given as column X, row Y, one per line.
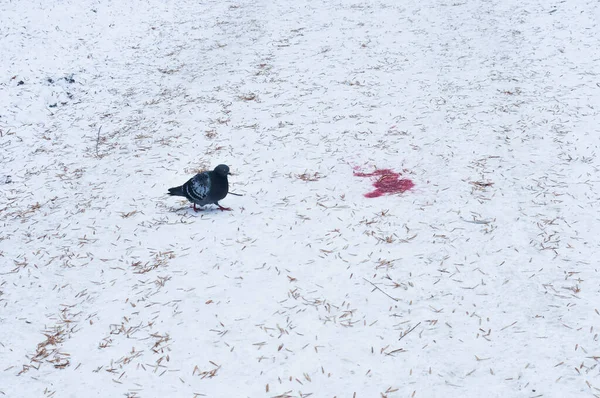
column 53, row 105
column 50, row 80
column 69, row 79
column 20, row 83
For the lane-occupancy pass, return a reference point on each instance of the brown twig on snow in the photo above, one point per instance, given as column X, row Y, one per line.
column 378, row 288
column 98, row 141
column 410, row 330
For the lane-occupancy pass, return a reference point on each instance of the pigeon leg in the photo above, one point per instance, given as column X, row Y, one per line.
column 196, row 209
column 223, row 208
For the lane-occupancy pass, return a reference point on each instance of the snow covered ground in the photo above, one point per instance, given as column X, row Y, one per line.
column 481, row 281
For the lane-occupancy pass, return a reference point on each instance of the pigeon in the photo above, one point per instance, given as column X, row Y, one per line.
column 205, row 188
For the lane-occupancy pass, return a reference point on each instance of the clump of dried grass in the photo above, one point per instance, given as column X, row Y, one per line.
column 307, row 176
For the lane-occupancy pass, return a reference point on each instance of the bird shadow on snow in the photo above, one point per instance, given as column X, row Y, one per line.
column 189, row 210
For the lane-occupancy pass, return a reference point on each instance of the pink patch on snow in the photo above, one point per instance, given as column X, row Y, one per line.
column 389, row 182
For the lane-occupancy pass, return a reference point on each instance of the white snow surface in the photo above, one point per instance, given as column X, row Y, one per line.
column 481, row 281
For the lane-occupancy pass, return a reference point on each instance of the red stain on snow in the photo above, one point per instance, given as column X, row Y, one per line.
column 389, row 182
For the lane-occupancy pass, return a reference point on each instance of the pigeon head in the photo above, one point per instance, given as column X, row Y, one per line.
column 222, row 170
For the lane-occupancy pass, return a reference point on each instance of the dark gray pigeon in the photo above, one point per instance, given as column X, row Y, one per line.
column 205, row 188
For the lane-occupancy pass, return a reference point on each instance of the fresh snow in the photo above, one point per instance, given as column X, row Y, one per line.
column 481, row 281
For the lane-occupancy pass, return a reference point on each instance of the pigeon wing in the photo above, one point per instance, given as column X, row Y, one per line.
column 198, row 187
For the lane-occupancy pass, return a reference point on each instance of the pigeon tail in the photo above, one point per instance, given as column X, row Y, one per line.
column 177, row 191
